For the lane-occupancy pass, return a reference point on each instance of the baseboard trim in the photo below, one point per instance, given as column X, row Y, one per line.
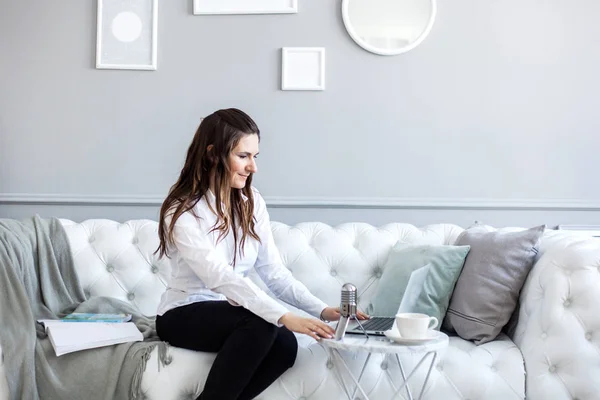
column 316, row 202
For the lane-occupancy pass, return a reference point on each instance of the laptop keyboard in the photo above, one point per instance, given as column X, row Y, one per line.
column 378, row 324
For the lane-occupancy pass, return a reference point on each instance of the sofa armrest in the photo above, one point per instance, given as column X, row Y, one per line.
column 3, row 381
column 559, row 323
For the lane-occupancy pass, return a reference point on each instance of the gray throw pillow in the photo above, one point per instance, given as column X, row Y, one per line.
column 488, row 288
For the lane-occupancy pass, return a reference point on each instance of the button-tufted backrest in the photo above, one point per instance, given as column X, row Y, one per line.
column 118, row 260
column 325, row 257
column 559, row 319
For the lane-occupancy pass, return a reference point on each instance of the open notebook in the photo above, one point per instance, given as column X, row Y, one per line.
column 67, row 337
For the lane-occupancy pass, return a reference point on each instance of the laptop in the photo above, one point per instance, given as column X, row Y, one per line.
column 373, row 326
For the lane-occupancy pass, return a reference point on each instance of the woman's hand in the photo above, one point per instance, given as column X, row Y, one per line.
column 308, row 326
column 333, row 314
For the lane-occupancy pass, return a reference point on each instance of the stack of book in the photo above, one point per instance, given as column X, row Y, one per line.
column 80, row 331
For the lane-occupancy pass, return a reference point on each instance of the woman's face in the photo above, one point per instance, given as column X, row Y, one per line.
column 242, row 160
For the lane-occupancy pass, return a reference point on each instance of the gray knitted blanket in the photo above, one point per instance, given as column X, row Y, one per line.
column 38, row 281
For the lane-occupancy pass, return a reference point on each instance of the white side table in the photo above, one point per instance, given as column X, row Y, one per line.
column 381, row 344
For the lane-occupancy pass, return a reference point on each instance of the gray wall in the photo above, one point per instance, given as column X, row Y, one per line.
column 492, row 118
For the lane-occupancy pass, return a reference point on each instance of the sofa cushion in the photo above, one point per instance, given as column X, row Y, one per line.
column 488, row 287
column 493, row 371
column 445, row 263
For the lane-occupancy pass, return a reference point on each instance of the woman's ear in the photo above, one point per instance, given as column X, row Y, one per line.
column 210, row 154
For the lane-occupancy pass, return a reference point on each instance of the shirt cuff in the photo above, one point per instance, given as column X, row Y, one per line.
column 273, row 310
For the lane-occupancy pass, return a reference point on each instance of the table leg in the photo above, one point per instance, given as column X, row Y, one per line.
column 428, row 374
column 356, row 382
column 339, row 374
column 362, row 371
column 404, row 377
column 405, row 383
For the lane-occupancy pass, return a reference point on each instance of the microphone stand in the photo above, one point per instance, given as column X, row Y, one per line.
column 340, row 329
column 361, row 327
column 347, row 311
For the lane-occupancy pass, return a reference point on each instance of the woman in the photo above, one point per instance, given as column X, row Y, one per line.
column 215, row 227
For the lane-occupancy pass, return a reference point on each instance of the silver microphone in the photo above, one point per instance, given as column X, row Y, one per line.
column 347, row 309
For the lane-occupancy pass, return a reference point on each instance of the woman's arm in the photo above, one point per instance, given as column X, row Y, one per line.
column 193, row 242
column 272, row 271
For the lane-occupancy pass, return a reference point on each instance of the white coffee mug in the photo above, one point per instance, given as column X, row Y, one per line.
column 414, row 325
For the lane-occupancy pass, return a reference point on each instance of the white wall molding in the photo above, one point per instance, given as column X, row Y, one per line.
column 80, row 199
column 586, row 230
column 432, row 203
column 318, row 202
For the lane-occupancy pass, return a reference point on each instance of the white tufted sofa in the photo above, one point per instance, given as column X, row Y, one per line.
column 557, row 341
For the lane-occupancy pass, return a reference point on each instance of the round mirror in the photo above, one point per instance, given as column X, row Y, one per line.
column 388, row 27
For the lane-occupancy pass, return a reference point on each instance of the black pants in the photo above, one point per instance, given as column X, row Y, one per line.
column 252, row 353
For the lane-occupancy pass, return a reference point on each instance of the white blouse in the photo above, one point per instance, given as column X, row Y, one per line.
column 202, row 270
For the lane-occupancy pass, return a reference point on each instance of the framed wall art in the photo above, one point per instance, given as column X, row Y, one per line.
column 245, row 7
column 303, row 68
column 126, row 36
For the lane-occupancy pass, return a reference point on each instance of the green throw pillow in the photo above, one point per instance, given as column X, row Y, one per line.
column 445, row 264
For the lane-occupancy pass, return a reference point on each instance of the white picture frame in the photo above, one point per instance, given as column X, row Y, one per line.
column 303, row 68
column 126, row 34
column 207, row 7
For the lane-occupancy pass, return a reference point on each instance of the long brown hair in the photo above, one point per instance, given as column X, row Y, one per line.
column 221, row 131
